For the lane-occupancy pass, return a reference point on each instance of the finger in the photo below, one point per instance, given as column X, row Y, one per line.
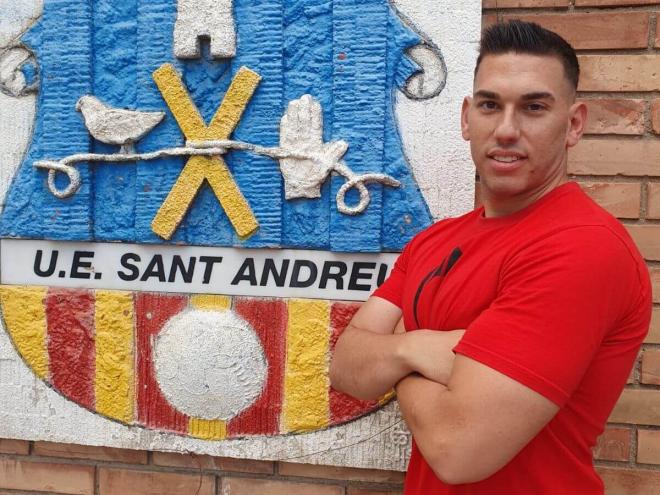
column 336, row 150
column 305, row 107
column 316, row 121
column 286, row 134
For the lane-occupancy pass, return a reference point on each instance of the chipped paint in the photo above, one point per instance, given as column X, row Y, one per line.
column 209, row 429
column 209, row 364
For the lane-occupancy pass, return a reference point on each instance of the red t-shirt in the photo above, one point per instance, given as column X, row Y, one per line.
column 555, row 296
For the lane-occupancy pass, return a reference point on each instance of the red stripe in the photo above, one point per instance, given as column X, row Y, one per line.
column 344, row 407
column 71, row 350
column 152, row 311
column 269, row 320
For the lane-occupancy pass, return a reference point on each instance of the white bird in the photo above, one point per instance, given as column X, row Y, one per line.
column 116, row 126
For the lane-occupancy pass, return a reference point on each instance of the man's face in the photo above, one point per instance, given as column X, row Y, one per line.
column 520, row 121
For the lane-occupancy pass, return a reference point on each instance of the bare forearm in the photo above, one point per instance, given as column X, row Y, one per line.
column 424, row 406
column 471, row 428
column 366, row 364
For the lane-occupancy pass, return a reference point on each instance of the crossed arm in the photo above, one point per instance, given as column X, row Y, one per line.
column 465, row 416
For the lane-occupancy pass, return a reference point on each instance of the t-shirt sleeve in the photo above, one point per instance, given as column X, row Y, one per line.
column 392, row 288
column 557, row 298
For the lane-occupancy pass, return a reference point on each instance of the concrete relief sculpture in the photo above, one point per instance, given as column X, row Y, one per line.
column 209, row 190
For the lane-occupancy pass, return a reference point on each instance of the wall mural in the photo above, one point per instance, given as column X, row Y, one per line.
column 201, row 194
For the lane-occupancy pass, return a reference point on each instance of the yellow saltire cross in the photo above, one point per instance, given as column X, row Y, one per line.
column 213, row 169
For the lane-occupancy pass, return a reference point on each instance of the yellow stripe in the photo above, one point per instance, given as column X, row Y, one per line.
column 207, row 429
column 115, row 371
column 210, row 301
column 25, row 320
column 204, row 428
column 182, row 107
column 232, row 200
column 233, row 105
column 198, row 168
column 175, row 207
column 306, row 403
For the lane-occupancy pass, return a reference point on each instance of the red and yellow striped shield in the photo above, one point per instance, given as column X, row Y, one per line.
column 96, row 349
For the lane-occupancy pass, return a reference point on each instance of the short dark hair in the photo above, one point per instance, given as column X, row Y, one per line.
column 530, row 38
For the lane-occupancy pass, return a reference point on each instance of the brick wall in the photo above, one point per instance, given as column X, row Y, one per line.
column 618, row 163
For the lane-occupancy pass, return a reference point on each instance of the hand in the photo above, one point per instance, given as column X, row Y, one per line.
column 301, row 131
column 429, row 352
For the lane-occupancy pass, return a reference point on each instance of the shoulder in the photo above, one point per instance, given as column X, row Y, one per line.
column 575, row 224
column 441, row 229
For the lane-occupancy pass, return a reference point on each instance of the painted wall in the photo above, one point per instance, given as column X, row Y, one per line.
column 250, row 188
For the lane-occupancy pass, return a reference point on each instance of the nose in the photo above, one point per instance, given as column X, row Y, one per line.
column 507, row 129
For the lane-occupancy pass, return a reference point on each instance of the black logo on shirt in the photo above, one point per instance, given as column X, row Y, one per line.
column 442, row 270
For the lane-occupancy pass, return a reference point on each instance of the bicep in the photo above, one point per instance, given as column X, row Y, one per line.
column 500, row 415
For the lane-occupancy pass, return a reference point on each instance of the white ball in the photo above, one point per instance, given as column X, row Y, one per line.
column 209, row 364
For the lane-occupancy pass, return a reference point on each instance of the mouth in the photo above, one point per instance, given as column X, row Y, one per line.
column 506, row 160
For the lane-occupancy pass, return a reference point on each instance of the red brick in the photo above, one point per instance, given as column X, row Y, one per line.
column 647, row 238
column 588, row 31
column 213, row 463
column 648, row 446
column 17, row 447
column 340, row 473
column 613, row 445
column 122, row 482
column 507, row 4
column 651, row 367
column 615, row 116
column 243, row 486
column 40, row 476
column 352, row 490
column 653, row 206
column 637, row 406
column 50, row 449
column 630, row 481
column 655, row 282
column 619, row 73
column 621, row 199
column 655, row 114
column 615, row 157
column 653, row 336
column 613, row 3
column 488, row 20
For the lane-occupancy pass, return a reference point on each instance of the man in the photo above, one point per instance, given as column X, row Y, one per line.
column 541, row 297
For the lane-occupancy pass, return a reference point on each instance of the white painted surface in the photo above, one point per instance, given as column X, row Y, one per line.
column 16, row 114
column 214, row 270
column 209, row 364
column 207, row 18
column 16, row 17
column 430, row 129
column 116, row 125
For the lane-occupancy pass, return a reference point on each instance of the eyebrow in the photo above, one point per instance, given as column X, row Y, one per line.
column 537, row 95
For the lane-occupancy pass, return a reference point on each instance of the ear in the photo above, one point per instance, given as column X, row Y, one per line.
column 465, row 128
column 576, row 124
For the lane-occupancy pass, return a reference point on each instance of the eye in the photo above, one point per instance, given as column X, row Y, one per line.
column 488, row 105
column 535, row 107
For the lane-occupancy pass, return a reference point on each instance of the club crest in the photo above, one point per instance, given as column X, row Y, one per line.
column 210, row 189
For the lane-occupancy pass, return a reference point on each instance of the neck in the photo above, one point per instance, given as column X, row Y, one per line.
column 498, row 206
